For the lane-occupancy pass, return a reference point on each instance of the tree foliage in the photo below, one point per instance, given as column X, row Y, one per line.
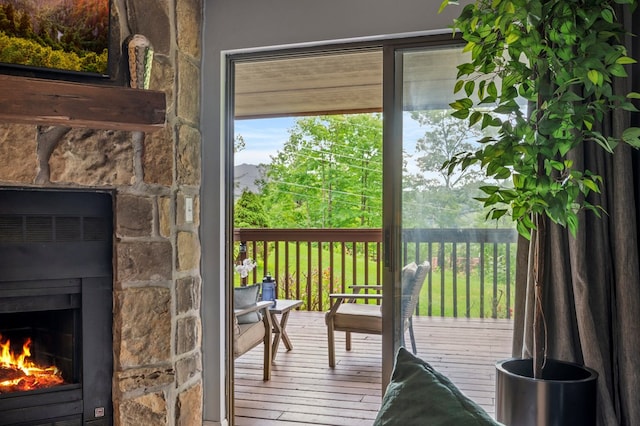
column 432, row 197
column 328, row 174
column 26, row 52
column 249, row 212
column 562, row 57
column 444, row 137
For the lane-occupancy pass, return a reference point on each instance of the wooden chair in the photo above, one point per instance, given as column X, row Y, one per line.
column 350, row 317
column 249, row 335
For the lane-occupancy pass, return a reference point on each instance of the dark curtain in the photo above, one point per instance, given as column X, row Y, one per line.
column 592, row 297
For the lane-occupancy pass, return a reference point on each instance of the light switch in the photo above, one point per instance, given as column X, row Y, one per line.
column 188, row 209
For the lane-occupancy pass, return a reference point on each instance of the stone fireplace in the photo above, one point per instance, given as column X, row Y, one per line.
column 155, row 266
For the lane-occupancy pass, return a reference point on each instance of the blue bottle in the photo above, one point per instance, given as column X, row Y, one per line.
column 269, row 288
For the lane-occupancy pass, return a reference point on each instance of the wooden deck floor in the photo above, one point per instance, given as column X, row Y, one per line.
column 303, row 389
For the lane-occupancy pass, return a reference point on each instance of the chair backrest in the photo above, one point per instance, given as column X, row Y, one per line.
column 411, row 286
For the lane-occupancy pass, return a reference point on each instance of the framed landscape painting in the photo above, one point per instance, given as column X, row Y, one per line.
column 70, row 36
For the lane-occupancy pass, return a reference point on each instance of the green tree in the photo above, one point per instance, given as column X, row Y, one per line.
column 4, row 21
column 249, row 212
column 433, row 198
column 444, row 137
column 25, row 28
column 328, row 174
column 9, row 26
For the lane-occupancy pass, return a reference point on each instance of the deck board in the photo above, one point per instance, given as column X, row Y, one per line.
column 303, row 390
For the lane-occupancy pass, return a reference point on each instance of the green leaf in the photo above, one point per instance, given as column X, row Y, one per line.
column 512, row 38
column 607, row 15
column 572, row 223
column 510, row 80
column 633, row 95
column 471, row 45
column 464, row 103
column 462, row 114
column 632, row 136
column 498, row 213
column 625, row 60
column 458, row 86
column 492, row 90
column 445, row 3
column 523, row 230
column 591, row 185
column 594, row 76
column 518, row 211
column 465, row 69
column 469, row 86
column 486, row 121
column 489, row 189
column 628, row 106
column 481, row 88
column 502, row 173
column 617, row 70
column 557, row 165
column 518, row 180
column 475, row 117
column 570, row 97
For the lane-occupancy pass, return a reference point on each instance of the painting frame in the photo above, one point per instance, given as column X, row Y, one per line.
column 62, row 40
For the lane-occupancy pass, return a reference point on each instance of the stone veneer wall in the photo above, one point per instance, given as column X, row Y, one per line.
column 157, row 328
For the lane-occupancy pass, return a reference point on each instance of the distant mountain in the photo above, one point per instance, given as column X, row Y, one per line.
column 245, row 177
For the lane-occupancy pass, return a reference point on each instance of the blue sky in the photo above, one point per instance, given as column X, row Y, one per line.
column 263, row 138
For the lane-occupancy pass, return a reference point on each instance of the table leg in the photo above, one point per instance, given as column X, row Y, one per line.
column 283, row 330
column 279, row 332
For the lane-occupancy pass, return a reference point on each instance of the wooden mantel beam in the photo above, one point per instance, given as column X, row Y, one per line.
column 61, row 103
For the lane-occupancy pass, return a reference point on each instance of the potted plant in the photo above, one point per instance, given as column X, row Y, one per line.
column 541, row 74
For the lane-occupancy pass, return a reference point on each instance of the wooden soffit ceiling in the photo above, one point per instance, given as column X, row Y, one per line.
column 336, row 83
column 339, row 83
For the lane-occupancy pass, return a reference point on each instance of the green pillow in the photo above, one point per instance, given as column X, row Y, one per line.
column 419, row 395
column 244, row 297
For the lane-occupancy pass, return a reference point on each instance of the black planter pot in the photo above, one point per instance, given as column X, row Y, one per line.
column 566, row 395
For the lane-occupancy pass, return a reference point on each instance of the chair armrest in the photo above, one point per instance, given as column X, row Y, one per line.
column 358, row 287
column 254, row 308
column 355, row 296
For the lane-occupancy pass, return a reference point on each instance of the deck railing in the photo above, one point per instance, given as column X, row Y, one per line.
column 471, row 275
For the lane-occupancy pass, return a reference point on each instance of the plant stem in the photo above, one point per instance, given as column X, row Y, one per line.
column 539, row 328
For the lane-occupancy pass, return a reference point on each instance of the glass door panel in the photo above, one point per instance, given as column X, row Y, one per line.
column 420, row 134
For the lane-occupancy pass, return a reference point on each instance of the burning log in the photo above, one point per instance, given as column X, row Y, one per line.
column 10, row 373
column 18, row 374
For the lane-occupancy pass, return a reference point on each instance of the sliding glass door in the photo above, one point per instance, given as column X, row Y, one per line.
column 417, row 82
column 418, row 87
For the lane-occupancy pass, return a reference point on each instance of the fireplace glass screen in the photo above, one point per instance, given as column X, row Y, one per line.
column 38, row 350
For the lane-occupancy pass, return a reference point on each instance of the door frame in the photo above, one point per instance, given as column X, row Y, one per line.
column 392, row 180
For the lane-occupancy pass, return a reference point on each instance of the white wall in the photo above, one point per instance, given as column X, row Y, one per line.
column 232, row 25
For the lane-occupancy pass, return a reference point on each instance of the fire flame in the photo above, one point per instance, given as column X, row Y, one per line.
column 18, row 373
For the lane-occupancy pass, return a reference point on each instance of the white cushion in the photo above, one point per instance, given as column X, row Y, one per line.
column 359, row 317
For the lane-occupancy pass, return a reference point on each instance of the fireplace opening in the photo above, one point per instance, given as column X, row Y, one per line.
column 38, row 350
column 56, row 286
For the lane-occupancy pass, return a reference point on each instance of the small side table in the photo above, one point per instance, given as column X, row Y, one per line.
column 282, row 307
